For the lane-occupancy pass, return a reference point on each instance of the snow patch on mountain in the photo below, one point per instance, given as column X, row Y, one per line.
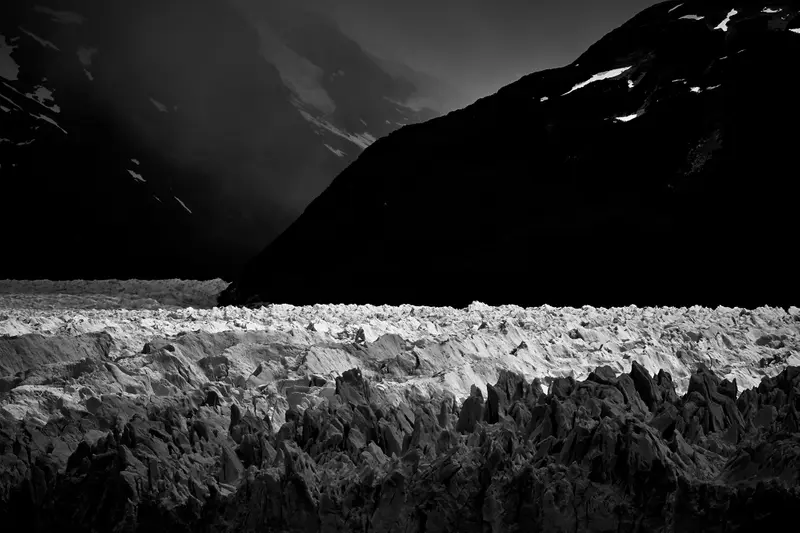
column 362, row 140
column 691, row 17
column 62, row 17
column 42, row 95
column 9, row 100
column 183, row 205
column 674, row 8
column 85, row 55
column 627, row 118
column 8, row 67
column 795, row 30
column 724, row 24
column 45, row 43
column 334, row 150
column 770, row 10
column 136, row 176
column 49, row 121
column 158, row 105
column 599, row 77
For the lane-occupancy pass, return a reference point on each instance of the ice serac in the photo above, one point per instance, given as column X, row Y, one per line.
column 608, row 453
column 380, row 419
column 546, row 192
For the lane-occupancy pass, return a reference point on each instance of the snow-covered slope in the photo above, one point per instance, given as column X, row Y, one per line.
column 152, row 139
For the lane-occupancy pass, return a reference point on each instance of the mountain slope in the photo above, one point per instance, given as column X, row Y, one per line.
column 656, row 168
column 176, row 138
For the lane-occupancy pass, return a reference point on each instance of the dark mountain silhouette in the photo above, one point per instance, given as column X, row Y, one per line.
column 174, row 138
column 658, row 168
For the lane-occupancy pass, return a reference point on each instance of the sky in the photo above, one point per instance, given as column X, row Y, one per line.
column 479, row 45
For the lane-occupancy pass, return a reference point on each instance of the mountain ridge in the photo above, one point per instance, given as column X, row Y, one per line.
column 637, row 187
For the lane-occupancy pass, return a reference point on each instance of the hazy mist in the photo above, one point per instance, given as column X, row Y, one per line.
column 479, row 45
